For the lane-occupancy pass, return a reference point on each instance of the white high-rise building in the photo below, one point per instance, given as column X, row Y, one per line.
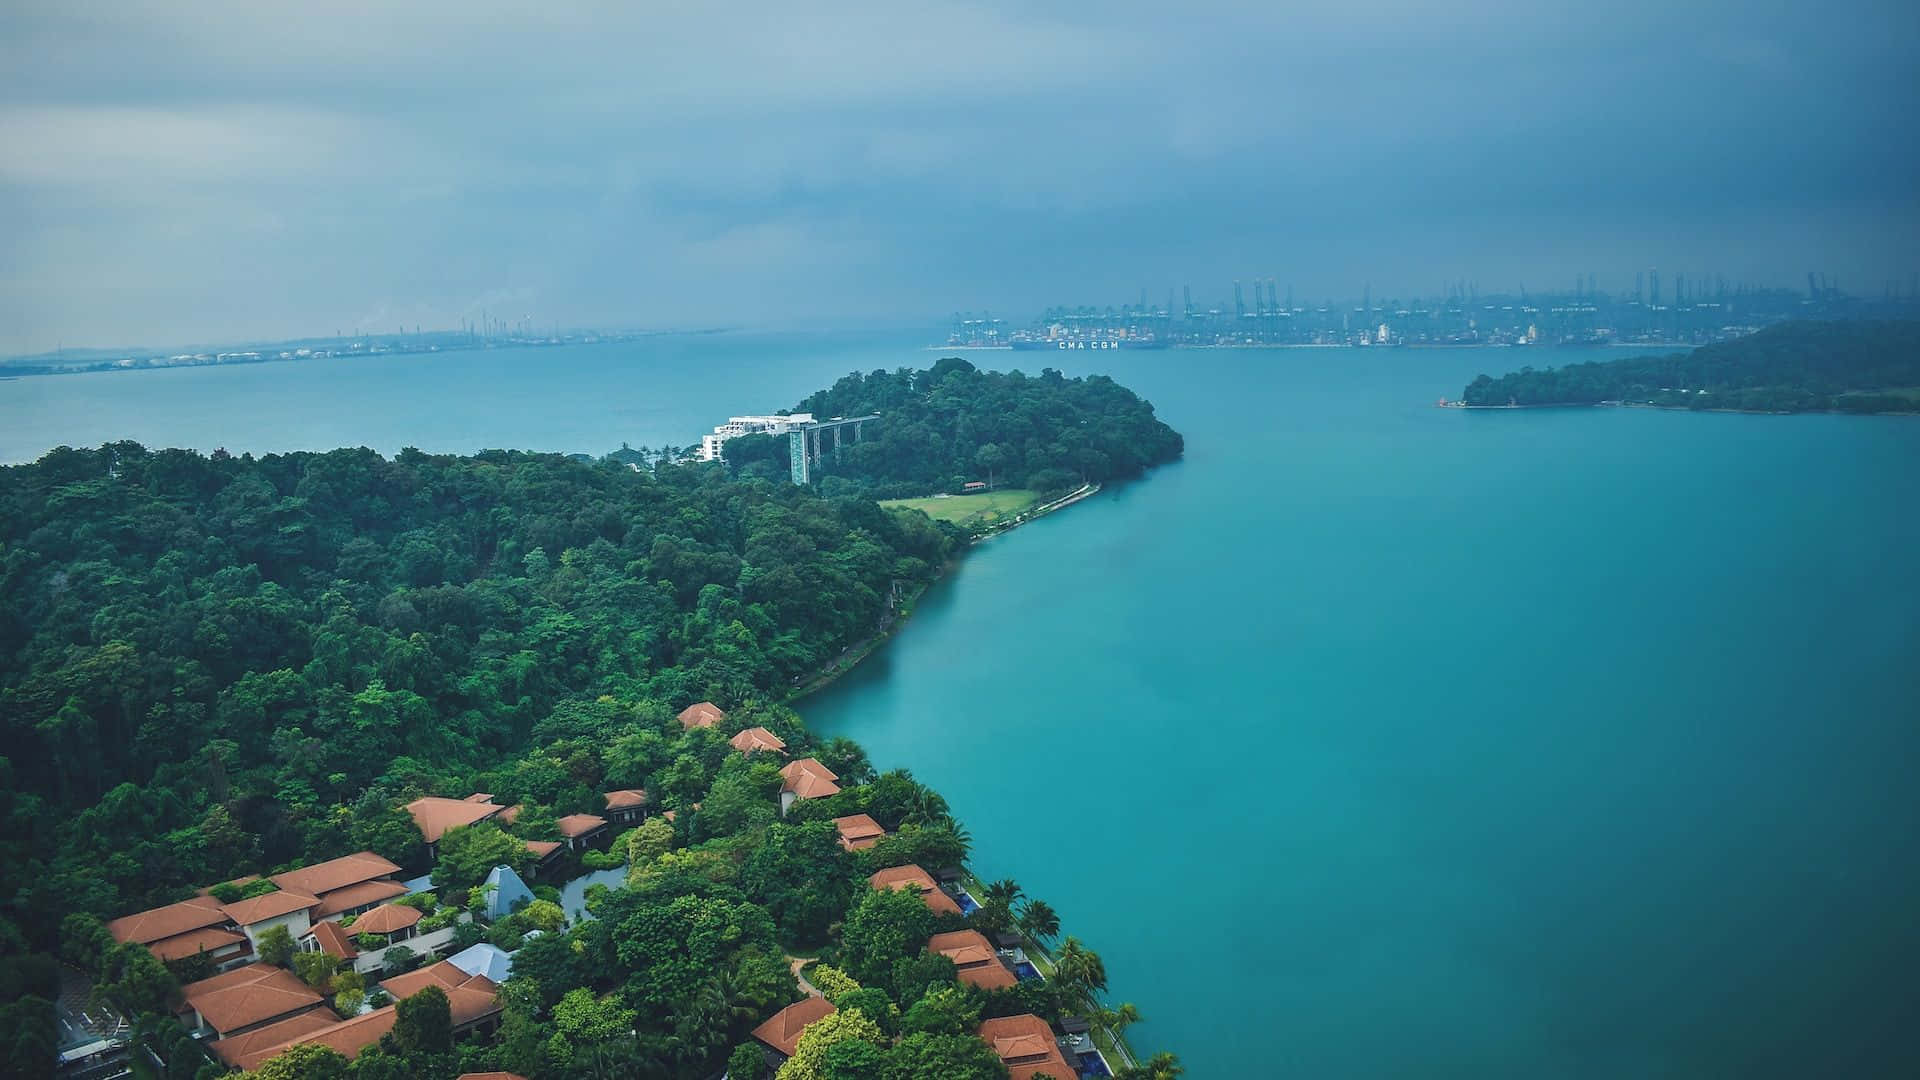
column 749, row 425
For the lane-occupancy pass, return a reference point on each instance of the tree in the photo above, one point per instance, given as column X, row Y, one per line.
column 853, row 1059
column 885, row 925
column 307, row 1061
column 584, row 1018
column 423, row 1022
column 831, row 981
column 747, row 1062
column 544, row 915
column 275, row 946
column 1078, row 971
column 84, row 940
column 1038, row 921
column 809, row 1057
column 952, row 1056
column 913, row 977
column 875, row 1004
column 946, row 1010
column 316, row 969
column 133, row 982
column 469, row 853
column 651, row 840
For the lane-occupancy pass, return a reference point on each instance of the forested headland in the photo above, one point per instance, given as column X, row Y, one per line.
column 952, row 423
column 1858, row 367
column 219, row 666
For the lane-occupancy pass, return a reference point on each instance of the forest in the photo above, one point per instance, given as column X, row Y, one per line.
column 216, row 665
column 953, row 423
column 1856, row 366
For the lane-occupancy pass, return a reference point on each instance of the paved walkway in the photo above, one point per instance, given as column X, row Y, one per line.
column 794, row 964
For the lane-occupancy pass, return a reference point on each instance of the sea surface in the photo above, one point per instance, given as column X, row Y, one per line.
column 1370, row 740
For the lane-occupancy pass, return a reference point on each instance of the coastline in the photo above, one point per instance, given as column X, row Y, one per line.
column 1673, row 408
column 860, row 650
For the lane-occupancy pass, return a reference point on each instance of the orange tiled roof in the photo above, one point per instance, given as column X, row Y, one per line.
column 858, row 831
column 157, row 924
column 542, row 848
column 577, row 825
column 469, row 997
column 626, row 799
column 238, row 1048
column 1025, row 1044
column 205, row 939
column 347, row 1038
column 323, row 878
column 248, row 996
column 704, row 714
column 386, row 919
column 510, row 815
column 359, row 894
column 435, row 815
column 809, row 779
column 782, row 1030
column 334, row 940
column 912, row 877
column 979, row 965
column 266, row 906
column 757, row 738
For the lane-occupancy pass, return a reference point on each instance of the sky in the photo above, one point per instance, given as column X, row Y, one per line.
column 208, row 171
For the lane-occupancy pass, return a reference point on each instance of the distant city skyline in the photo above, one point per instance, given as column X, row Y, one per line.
column 214, row 171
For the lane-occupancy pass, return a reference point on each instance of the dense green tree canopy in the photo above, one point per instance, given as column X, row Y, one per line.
column 1792, row 367
column 953, row 422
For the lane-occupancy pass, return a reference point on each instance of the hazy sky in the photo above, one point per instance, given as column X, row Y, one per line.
column 201, row 171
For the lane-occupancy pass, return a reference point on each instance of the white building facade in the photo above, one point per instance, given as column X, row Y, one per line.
column 749, row 425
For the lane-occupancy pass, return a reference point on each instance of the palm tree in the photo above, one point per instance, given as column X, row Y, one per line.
column 1118, row 1020
column 929, row 807
column 1003, row 892
column 1079, row 971
column 1039, row 921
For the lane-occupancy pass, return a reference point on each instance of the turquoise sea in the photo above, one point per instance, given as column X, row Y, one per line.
column 1372, row 739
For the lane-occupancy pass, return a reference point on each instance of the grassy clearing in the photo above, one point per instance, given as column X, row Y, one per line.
column 971, row 511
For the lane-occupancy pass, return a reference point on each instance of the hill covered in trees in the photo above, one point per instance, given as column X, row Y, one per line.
column 1863, row 367
column 953, row 422
column 245, row 640
column 216, row 666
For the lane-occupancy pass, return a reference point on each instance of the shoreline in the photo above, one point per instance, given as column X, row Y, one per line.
column 852, row 655
column 1672, row 408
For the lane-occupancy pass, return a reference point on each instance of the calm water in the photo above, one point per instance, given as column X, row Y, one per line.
column 1370, row 740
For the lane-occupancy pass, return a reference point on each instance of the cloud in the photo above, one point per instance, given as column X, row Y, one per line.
column 237, row 169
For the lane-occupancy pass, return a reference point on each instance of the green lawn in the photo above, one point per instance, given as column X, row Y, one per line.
column 971, row 511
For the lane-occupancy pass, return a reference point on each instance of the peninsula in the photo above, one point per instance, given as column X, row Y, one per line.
column 1851, row 367
column 335, row 765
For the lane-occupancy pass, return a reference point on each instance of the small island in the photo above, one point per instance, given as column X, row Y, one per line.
column 1848, row 367
column 333, row 765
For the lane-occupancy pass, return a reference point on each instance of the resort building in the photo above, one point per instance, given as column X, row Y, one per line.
column 580, row 830
column 736, row 426
column 806, row 779
column 472, row 999
column 345, row 886
column 701, row 714
column 434, row 815
column 757, row 738
column 626, row 806
column 1026, row 1046
column 257, row 915
column 180, row 930
column 781, row 1032
column 912, row 877
column 974, row 959
column 238, row 1001
column 858, row 831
